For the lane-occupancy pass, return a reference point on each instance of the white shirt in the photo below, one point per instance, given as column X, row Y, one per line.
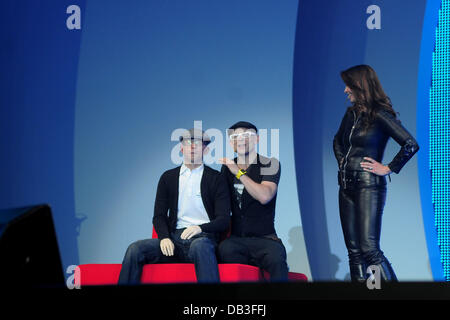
column 191, row 210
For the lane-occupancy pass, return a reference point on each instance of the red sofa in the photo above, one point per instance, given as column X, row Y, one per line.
column 108, row 274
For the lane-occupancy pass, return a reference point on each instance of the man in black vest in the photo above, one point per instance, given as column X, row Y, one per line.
column 253, row 183
column 192, row 208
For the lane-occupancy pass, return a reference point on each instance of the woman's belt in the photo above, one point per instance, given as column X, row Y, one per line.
column 359, row 179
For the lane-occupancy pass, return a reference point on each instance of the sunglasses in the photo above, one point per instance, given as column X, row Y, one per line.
column 189, row 142
column 243, row 135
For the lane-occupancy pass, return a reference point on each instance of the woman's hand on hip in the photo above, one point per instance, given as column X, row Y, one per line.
column 375, row 167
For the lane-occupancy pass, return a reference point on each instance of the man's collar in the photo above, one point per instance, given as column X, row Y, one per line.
column 184, row 168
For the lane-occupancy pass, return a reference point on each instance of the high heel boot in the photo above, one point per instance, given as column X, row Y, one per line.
column 358, row 273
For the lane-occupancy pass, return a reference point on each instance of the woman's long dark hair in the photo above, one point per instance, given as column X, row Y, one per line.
column 368, row 93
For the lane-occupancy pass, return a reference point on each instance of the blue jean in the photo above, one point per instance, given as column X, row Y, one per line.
column 200, row 250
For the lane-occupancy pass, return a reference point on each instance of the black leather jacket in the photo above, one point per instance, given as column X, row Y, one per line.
column 351, row 144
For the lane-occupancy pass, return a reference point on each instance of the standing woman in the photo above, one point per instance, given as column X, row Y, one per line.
column 359, row 147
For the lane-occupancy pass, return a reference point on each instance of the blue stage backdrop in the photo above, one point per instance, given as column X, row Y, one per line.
column 162, row 66
column 87, row 114
column 39, row 61
column 332, row 36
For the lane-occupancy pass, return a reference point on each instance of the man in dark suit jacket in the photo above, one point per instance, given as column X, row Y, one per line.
column 192, row 208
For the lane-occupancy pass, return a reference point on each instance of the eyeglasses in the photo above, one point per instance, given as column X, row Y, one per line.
column 243, row 135
column 188, row 142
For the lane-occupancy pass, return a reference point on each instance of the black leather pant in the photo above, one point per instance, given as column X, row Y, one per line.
column 362, row 196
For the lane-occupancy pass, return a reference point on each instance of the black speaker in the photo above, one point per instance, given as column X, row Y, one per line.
column 29, row 254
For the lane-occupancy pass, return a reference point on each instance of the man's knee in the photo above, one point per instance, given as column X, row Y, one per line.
column 275, row 254
column 227, row 251
column 134, row 248
column 202, row 246
column 143, row 247
column 275, row 258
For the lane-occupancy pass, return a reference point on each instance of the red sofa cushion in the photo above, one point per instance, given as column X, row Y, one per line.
column 185, row 273
column 108, row 274
column 99, row 274
column 296, row 276
column 292, row 276
column 235, row 272
column 169, row 273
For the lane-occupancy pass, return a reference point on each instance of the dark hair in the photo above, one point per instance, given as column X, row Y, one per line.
column 243, row 124
column 368, row 93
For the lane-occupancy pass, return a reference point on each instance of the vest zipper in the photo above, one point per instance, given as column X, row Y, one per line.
column 355, row 121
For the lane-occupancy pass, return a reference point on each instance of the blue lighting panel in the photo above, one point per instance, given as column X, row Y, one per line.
column 440, row 134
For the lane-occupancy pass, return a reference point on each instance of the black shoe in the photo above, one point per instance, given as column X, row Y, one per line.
column 358, row 273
